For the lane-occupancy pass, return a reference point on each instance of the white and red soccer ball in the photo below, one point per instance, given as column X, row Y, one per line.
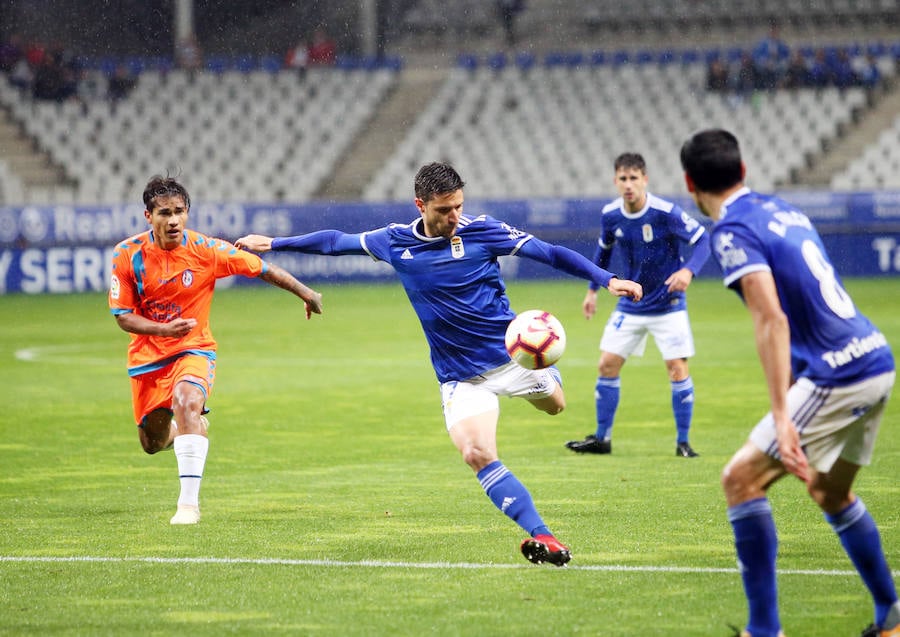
column 535, row 339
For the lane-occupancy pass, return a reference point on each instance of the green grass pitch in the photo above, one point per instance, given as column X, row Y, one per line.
column 334, row 503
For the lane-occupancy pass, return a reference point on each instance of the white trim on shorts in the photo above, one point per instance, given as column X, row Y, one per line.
column 833, row 422
column 477, row 395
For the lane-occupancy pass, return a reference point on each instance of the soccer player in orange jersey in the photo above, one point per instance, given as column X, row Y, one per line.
column 160, row 292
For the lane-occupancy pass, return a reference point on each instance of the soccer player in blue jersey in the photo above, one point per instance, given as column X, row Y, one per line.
column 829, row 373
column 447, row 263
column 653, row 235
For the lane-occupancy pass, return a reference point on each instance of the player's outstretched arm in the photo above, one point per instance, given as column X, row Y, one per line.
column 624, row 287
column 286, row 281
column 254, row 243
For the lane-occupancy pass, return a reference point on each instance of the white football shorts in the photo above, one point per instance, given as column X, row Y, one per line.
column 463, row 398
column 833, row 422
column 626, row 334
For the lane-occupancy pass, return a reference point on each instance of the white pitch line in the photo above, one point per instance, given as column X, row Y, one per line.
column 406, row 565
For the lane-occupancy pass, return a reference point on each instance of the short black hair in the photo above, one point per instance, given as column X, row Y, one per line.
column 630, row 160
column 712, row 159
column 160, row 186
column 437, row 178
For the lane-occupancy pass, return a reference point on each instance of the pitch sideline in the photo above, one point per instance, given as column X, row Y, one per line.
column 404, row 565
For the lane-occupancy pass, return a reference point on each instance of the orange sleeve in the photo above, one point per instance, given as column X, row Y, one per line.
column 230, row 261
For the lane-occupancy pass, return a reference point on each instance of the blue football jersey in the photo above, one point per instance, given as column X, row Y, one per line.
column 831, row 342
column 650, row 242
column 455, row 288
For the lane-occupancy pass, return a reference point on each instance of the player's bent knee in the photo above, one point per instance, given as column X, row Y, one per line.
column 476, row 457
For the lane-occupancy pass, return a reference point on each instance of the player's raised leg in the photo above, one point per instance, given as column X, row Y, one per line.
column 157, row 430
column 471, row 413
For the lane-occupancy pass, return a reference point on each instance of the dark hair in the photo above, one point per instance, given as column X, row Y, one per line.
column 160, row 186
column 436, row 178
column 712, row 159
column 630, row 160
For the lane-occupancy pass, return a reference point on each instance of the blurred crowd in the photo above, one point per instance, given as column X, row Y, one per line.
column 55, row 73
column 772, row 64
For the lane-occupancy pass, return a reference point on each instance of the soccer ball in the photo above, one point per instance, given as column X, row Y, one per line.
column 535, row 339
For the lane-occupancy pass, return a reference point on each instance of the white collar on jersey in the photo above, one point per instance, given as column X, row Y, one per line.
column 737, row 194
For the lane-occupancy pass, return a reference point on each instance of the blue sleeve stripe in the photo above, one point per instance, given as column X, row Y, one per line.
column 519, row 245
column 737, row 274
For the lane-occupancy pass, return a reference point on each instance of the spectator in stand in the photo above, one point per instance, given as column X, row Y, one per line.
column 717, row 76
column 746, row 79
column 322, row 49
column 772, row 48
column 188, row 55
column 820, row 72
column 842, row 73
column 21, row 76
column 34, row 54
column 770, row 55
column 796, row 75
column 11, row 51
column 297, row 58
column 120, row 84
column 509, row 10
column 867, row 71
column 53, row 80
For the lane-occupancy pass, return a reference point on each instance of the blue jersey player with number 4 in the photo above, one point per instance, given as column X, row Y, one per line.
column 652, row 234
column 829, row 372
column 447, row 263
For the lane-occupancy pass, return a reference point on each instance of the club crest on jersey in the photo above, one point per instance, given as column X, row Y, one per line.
column 647, row 231
column 457, row 249
column 187, row 279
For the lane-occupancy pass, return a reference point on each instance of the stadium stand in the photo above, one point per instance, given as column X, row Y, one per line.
column 553, row 129
column 530, row 122
column 248, row 135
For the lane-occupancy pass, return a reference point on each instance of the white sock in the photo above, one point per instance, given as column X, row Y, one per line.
column 190, row 451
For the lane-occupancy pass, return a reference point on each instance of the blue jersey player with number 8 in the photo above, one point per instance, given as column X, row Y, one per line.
column 829, row 373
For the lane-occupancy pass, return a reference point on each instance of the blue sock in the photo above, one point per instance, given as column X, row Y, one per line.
column 606, row 397
column 510, row 496
column 683, row 406
column 859, row 536
column 757, row 546
column 557, row 375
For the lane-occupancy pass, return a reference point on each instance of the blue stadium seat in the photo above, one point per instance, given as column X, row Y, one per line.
column 497, row 61
column 690, row 56
column 574, row 60
column 245, row 63
column 666, row 56
column 270, row 63
column 217, row 63
column 644, row 57
column 620, row 57
column 467, row 61
column 877, row 49
column 525, row 60
column 136, row 65
column 733, row 54
column 598, row 58
column 554, row 58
